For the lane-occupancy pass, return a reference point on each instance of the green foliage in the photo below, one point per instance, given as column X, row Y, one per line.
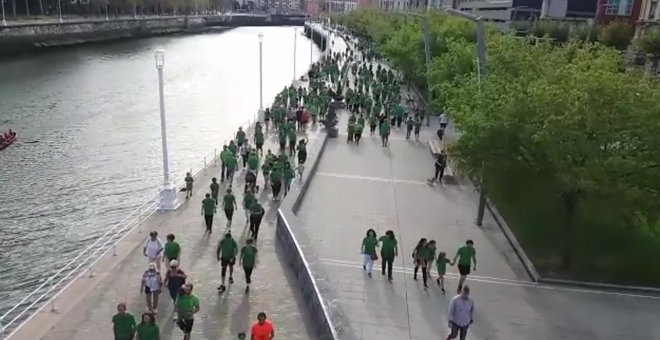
column 556, row 30
column 566, row 142
column 617, row 34
column 649, row 43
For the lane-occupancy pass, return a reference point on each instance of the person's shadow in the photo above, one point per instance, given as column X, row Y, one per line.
column 240, row 318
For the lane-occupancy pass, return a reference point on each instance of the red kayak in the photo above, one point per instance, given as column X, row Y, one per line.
column 5, row 144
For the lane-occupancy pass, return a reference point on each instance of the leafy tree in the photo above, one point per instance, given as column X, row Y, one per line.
column 649, row 43
column 617, row 34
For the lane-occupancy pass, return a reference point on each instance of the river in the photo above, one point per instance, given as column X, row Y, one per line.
column 92, row 113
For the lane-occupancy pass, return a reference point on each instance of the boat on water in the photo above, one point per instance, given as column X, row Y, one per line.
column 7, row 142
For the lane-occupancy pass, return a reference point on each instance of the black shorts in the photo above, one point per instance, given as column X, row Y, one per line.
column 464, row 270
column 185, row 325
column 227, row 262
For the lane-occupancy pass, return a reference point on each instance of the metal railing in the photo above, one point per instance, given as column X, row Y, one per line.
column 83, row 263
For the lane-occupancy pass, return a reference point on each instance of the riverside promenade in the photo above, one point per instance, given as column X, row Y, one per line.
column 356, row 188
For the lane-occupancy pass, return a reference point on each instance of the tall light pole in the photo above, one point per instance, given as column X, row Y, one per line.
column 261, row 72
column 295, row 43
column 2, row 4
column 311, row 45
column 59, row 10
column 168, row 199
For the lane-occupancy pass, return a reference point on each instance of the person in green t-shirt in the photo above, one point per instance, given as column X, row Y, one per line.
column 226, row 254
column 231, row 164
column 233, row 148
column 292, row 141
column 259, row 140
column 385, row 132
column 441, row 265
column 224, row 155
column 369, row 245
column 248, row 200
column 123, row 323
column 253, row 163
column 418, row 126
column 265, row 170
column 248, row 259
column 147, row 329
column 228, row 205
column 373, row 121
column 288, row 174
column 302, row 151
column 276, row 182
column 172, row 251
column 357, row 132
column 189, row 185
column 430, row 258
column 466, row 256
column 388, row 251
column 215, row 189
column 240, row 136
column 410, row 122
column 420, row 255
column 186, row 306
column 208, row 209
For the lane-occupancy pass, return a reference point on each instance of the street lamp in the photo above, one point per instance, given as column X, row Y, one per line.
column 295, row 43
column 261, row 72
column 311, row 44
column 168, row 199
column 2, row 4
column 59, row 10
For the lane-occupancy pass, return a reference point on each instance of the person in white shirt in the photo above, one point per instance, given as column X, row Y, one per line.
column 461, row 312
column 444, row 120
column 151, row 286
column 153, row 249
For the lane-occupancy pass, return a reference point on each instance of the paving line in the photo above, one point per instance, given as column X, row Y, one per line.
column 375, row 179
column 503, row 282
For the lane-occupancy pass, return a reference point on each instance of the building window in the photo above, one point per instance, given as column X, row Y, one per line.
column 652, row 9
column 618, row 7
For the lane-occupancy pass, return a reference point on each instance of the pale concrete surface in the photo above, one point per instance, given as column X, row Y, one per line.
column 87, row 307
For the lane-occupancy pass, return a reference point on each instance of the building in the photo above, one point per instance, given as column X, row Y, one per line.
column 623, row 10
column 507, row 10
column 649, row 15
column 339, row 6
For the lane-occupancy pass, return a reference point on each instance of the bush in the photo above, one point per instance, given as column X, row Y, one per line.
column 617, row 34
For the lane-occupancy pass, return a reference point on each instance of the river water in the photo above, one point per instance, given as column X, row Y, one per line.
column 94, row 111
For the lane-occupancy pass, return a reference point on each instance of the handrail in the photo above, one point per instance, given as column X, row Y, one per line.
column 48, row 291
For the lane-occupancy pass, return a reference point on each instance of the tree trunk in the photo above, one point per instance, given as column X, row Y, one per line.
column 27, row 7
column 570, row 200
column 13, row 7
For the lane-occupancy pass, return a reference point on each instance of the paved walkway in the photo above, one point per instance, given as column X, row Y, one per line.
column 273, row 290
column 368, row 186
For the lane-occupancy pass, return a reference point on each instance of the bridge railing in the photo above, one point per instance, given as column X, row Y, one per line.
column 82, row 265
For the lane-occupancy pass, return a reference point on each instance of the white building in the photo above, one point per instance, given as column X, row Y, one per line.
column 340, row 6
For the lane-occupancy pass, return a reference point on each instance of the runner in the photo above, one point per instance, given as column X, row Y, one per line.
column 187, row 305
column 441, row 264
column 420, row 255
column 265, row 170
column 357, row 132
column 466, row 256
column 228, row 205
column 369, row 245
column 123, row 323
column 256, row 214
column 373, row 121
column 226, row 254
column 248, row 260
column 174, row 279
column 292, row 141
column 189, row 185
column 245, row 151
column 172, row 250
column 208, row 209
column 153, row 249
column 460, row 314
column 148, row 329
column 259, row 140
column 151, row 284
column 262, row 329
column 215, row 189
column 388, row 251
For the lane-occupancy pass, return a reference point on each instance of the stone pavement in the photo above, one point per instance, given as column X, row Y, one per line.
column 367, row 186
column 221, row 316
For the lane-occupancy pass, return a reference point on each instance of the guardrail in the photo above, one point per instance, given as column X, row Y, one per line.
column 83, row 263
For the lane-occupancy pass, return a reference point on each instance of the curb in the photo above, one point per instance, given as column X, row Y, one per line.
column 601, row 286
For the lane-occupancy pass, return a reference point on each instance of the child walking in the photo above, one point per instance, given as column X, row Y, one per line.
column 441, row 264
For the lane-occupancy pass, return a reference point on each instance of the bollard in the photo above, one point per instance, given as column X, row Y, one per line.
column 215, row 157
column 91, row 272
column 52, row 300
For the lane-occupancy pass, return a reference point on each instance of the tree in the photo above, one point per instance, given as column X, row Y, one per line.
column 617, row 34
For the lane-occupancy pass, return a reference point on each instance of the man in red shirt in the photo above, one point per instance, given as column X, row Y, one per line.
column 262, row 329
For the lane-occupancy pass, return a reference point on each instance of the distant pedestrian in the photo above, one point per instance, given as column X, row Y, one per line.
column 441, row 264
column 440, row 165
column 302, row 151
column 151, row 286
column 228, row 205
column 262, row 329
column 226, row 254
column 385, row 133
column 276, row 182
column 215, row 189
column 189, row 185
column 231, row 164
column 256, row 215
column 248, row 260
column 224, row 155
column 248, row 200
column 444, row 120
column 410, row 122
column 148, row 329
column 123, row 323
column 153, row 249
column 172, row 250
column 461, row 314
column 388, row 251
column 187, row 305
column 288, row 175
column 369, row 245
column 240, row 137
column 418, row 126
column 466, row 256
column 246, row 149
column 265, row 170
column 208, row 210
column 420, row 256
column 174, row 279
column 259, row 140
column 430, row 256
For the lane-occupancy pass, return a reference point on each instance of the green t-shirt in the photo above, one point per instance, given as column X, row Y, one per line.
column 385, row 129
column 441, row 264
column 253, row 162
column 147, row 332
column 249, row 255
column 233, row 148
column 292, row 136
column 227, row 248
column 289, row 173
column 189, row 181
column 423, row 252
column 369, row 244
column 248, row 200
column 185, row 305
column 123, row 325
column 208, row 204
column 228, row 202
column 265, row 168
column 465, row 255
column 259, row 138
column 388, row 246
column 276, row 177
column 231, row 163
column 215, row 187
column 172, row 250
column 240, row 137
column 358, row 127
column 225, row 155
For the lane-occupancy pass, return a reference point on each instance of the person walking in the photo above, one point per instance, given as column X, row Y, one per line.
column 248, row 260
column 231, row 164
column 420, row 256
column 288, row 174
column 262, row 329
column 430, row 257
column 276, row 182
column 248, row 200
column 259, row 140
column 240, row 137
column 444, row 120
column 256, row 215
column 189, row 185
column 151, row 285
column 208, row 209
column 186, row 306
column 153, row 249
column 174, row 279
column 418, row 126
column 388, row 251
column 147, row 329
column 246, row 149
column 226, row 254
column 224, row 155
column 460, row 314
column 302, row 151
column 265, row 170
column 228, row 205
column 385, row 132
column 172, row 251
column 441, row 265
column 215, row 189
column 291, row 133
column 410, row 122
column 466, row 256
column 369, row 245
column 123, row 323
column 440, row 165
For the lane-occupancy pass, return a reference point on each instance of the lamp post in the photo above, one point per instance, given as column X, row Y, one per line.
column 261, row 72
column 59, row 10
column 311, row 45
column 2, row 5
column 168, row 199
column 295, row 43
column 481, row 75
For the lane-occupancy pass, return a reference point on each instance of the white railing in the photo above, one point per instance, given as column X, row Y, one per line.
column 83, row 264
